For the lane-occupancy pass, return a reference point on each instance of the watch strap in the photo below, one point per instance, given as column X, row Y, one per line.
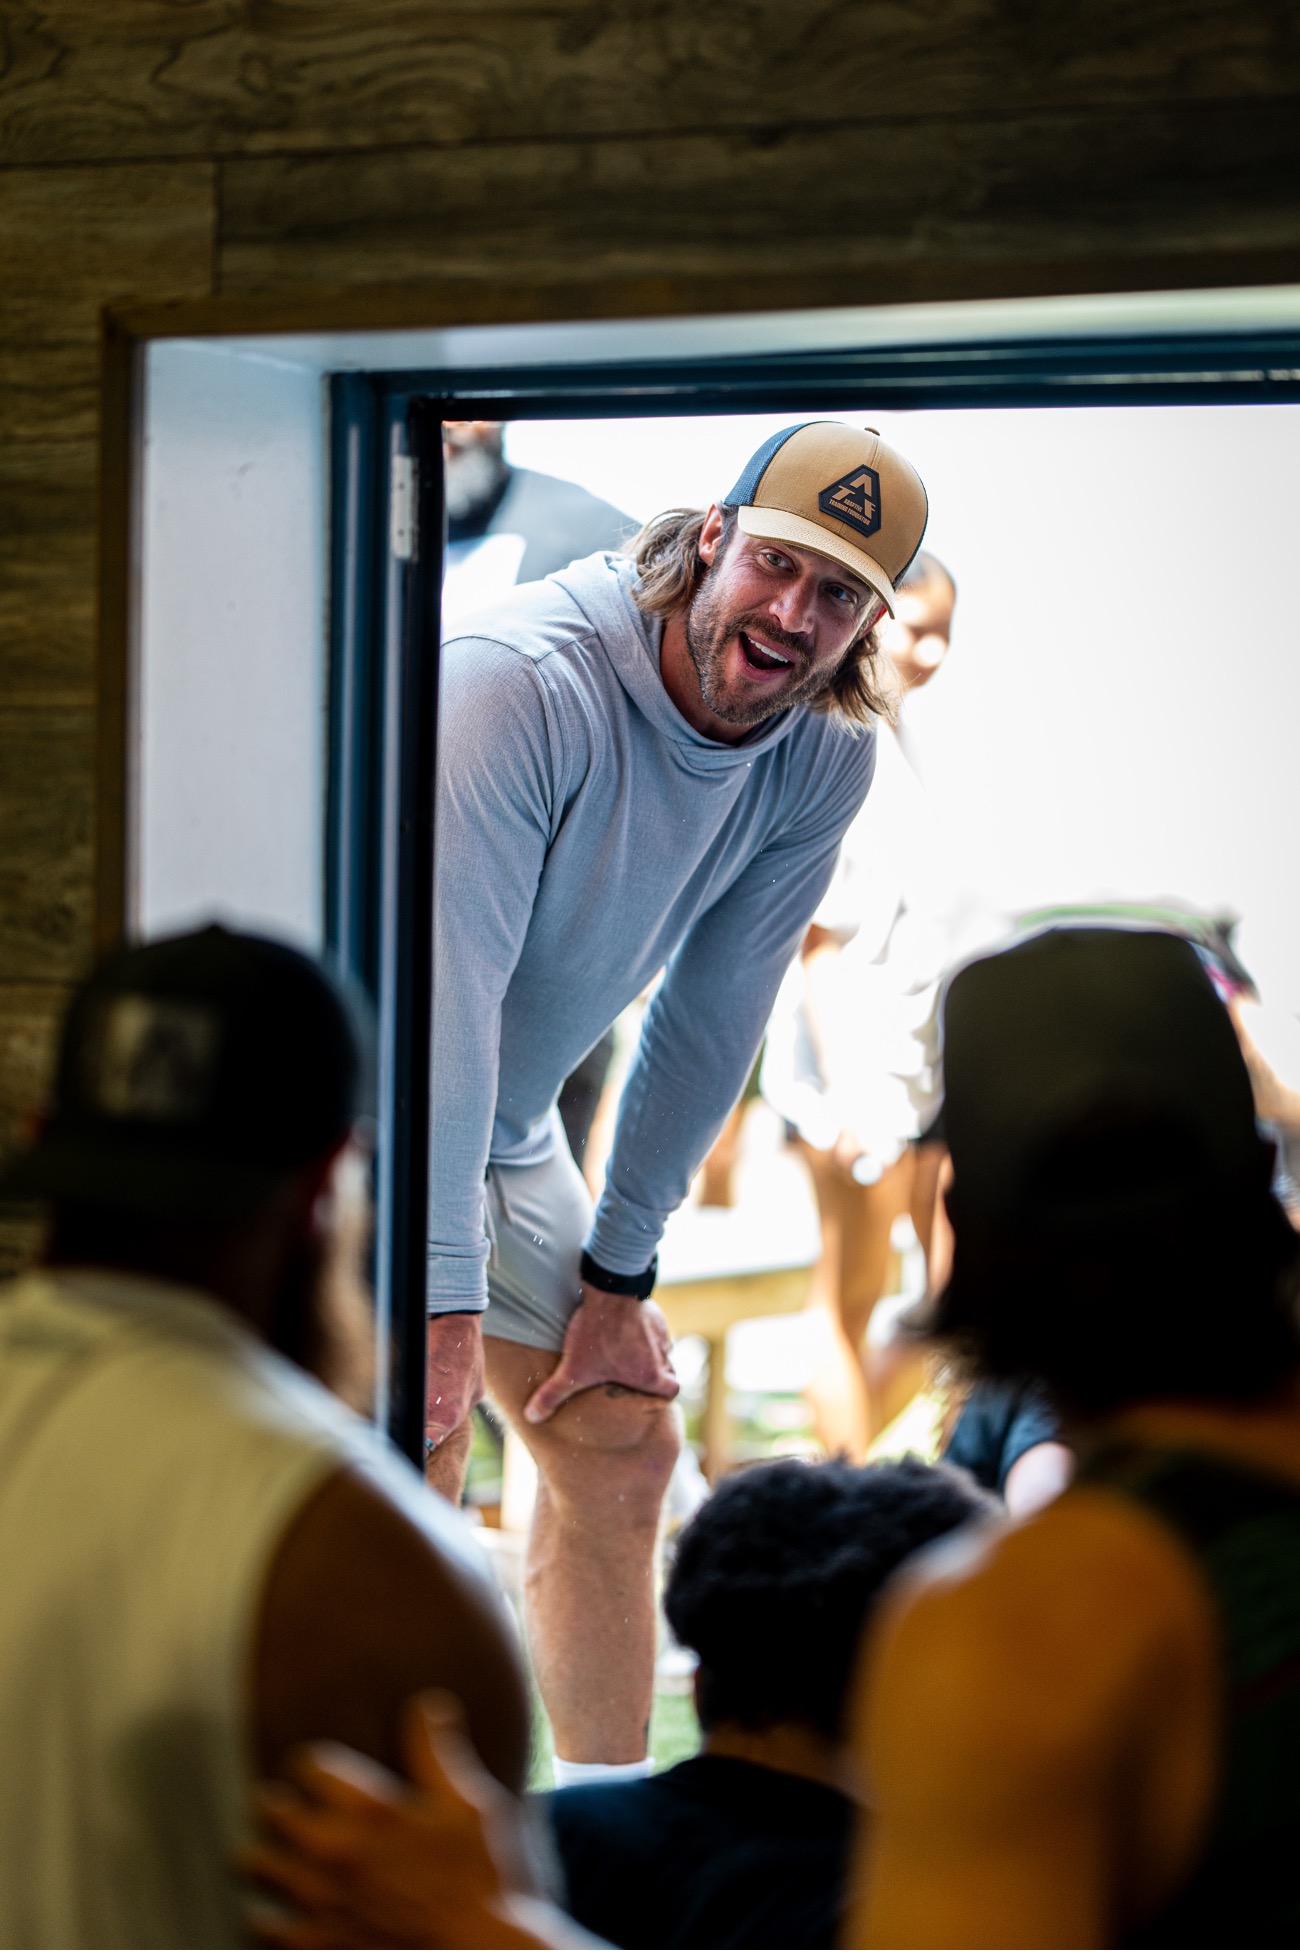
column 625, row 1284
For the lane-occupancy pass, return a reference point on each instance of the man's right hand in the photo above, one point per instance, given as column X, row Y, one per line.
column 454, row 1374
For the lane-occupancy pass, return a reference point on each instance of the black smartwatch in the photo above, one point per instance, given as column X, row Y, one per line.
column 626, row 1284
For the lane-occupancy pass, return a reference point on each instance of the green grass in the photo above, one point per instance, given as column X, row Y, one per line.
column 674, row 1734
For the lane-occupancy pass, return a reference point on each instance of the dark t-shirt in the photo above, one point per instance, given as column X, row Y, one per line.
column 715, row 1853
column 996, row 1427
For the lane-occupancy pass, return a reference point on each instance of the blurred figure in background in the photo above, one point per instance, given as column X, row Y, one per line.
column 849, row 1061
column 536, row 523
column 207, row 1560
column 746, row 1845
column 1084, row 1732
column 507, row 526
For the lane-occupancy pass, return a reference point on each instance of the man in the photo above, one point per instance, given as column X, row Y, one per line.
column 647, row 764
column 744, row 1846
column 847, row 1061
column 532, row 524
column 207, row 1560
column 1085, row 1733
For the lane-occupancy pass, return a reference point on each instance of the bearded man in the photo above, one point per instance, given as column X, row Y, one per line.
column 647, row 765
column 208, row 1560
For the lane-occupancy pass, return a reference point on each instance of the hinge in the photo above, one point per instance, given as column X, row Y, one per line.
column 401, row 507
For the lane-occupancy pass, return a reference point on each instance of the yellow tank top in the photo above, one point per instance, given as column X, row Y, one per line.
column 152, row 1453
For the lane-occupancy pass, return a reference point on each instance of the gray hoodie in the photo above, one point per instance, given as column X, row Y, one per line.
column 588, row 836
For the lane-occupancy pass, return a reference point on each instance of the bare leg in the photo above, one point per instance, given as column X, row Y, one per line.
column 900, row 1368
column 856, row 1221
column 603, row 1463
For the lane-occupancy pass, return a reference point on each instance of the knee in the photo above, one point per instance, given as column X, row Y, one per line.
column 609, row 1443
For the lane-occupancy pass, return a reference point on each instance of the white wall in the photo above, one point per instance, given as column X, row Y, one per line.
column 1121, row 709
column 228, row 809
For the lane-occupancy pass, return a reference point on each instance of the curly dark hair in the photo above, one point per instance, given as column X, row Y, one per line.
column 775, row 1576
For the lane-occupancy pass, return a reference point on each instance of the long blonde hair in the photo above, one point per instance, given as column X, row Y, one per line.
column 666, row 553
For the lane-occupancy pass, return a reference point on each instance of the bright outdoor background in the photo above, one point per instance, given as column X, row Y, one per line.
column 1121, row 708
column 1118, row 717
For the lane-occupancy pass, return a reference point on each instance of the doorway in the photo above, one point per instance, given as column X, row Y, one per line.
column 368, row 499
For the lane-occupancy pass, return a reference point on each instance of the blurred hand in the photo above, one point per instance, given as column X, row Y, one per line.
column 454, row 1373
column 360, row 1859
column 611, row 1341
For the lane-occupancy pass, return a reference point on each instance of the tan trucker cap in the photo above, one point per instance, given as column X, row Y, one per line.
column 826, row 487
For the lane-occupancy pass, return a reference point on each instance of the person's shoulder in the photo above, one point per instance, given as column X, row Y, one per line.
column 534, row 638
column 522, row 626
column 604, row 1807
column 559, row 521
column 377, row 1592
column 1031, row 1635
column 529, row 486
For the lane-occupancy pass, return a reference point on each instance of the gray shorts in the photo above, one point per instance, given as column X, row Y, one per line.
column 537, row 1219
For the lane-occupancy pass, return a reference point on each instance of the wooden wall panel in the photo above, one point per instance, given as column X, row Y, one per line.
column 1178, row 180
column 47, row 575
column 93, row 79
column 46, row 799
column 71, row 239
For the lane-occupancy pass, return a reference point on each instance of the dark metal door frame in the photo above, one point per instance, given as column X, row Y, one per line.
column 386, row 564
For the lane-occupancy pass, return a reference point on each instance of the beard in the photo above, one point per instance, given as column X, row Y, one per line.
column 474, row 476
column 324, row 1312
column 709, row 631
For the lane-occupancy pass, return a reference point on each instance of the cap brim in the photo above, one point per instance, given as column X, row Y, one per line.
column 784, row 527
column 148, row 1181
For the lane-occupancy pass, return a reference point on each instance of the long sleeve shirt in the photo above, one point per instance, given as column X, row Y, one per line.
column 587, row 837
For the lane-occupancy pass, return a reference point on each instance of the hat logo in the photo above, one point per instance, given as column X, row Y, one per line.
column 853, row 499
column 153, row 1060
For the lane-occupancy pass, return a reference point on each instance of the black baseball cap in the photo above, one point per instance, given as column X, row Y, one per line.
column 196, row 1073
column 1072, row 1027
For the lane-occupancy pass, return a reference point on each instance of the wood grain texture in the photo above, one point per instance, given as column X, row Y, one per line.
column 47, row 575
column 1185, row 179
column 88, row 79
column 70, row 240
column 46, row 798
column 454, row 299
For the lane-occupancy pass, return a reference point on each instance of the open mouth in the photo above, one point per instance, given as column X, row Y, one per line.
column 761, row 658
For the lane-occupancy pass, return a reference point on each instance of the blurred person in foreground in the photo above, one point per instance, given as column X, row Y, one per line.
column 848, row 1060
column 207, row 1558
column 647, row 764
column 508, row 526
column 1085, row 1733
column 744, row 1846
